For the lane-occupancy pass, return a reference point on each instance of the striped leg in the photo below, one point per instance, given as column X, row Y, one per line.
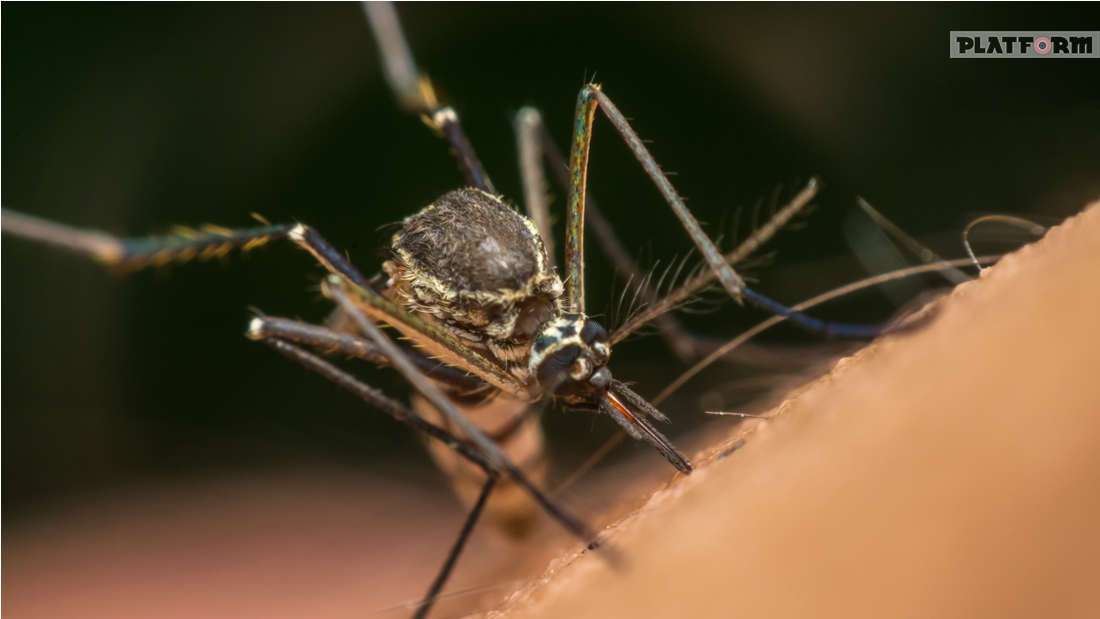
column 184, row 245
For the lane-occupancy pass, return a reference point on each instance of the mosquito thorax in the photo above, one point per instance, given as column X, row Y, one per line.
column 569, row 356
column 471, row 263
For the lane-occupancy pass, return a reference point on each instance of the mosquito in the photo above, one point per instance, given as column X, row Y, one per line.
column 490, row 329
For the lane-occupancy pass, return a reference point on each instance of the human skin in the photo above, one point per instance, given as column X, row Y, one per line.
column 949, row 472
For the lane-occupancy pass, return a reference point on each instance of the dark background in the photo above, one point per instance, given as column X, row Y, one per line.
column 131, row 118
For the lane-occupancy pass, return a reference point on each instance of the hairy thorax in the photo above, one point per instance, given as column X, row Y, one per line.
column 473, row 265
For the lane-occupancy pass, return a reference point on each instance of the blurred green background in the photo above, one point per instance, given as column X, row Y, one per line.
column 131, row 118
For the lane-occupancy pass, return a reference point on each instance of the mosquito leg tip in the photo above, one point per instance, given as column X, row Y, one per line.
column 444, row 115
column 298, row 233
column 331, row 285
column 256, row 329
column 529, row 116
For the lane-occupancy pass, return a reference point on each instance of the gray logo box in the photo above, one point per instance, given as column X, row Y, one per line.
column 1025, row 44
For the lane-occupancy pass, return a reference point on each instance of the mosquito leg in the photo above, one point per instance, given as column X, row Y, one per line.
column 620, row 258
column 414, row 91
column 183, row 245
column 529, row 143
column 534, row 140
column 1032, row 227
column 915, row 247
column 591, row 98
column 684, row 343
column 399, row 412
column 456, row 550
column 818, row 300
column 402, row 74
column 99, row 245
column 335, row 289
column 326, row 340
column 435, row 340
column 379, row 400
column 464, row 448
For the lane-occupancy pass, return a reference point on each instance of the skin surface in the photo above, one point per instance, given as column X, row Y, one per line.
column 951, row 472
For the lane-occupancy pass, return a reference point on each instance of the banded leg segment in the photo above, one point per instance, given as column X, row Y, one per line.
column 414, row 91
column 184, row 245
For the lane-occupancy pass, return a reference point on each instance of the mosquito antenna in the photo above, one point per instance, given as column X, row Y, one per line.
column 401, row 71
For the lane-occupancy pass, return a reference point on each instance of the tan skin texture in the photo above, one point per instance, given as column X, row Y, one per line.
column 950, row 472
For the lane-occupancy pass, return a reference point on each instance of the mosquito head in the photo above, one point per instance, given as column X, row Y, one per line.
column 569, row 356
column 569, row 359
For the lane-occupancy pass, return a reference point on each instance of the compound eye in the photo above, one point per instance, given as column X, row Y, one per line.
column 582, row 367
